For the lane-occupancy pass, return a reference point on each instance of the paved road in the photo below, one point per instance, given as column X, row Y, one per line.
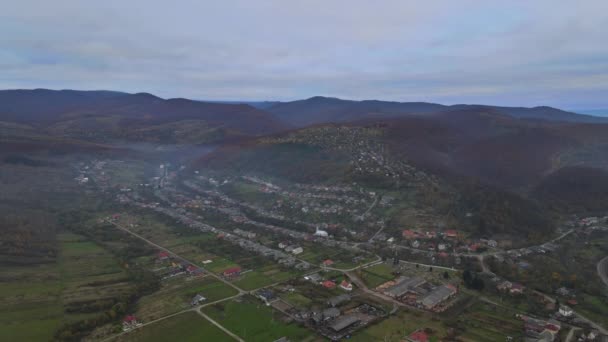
column 602, row 270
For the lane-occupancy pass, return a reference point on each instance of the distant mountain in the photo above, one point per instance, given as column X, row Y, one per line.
column 595, row 112
column 118, row 115
column 326, row 109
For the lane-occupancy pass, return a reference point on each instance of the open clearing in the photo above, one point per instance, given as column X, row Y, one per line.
column 254, row 321
column 188, row 326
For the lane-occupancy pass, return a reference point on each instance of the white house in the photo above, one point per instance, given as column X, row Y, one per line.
column 297, row 250
column 565, row 311
column 321, row 233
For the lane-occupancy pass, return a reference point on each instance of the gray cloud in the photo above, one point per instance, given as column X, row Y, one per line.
column 515, row 53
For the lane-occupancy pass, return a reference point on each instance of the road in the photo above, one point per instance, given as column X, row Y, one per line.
column 361, row 285
column 576, row 314
column 478, row 255
column 241, row 291
column 197, row 309
column 219, row 326
column 571, row 334
column 602, row 270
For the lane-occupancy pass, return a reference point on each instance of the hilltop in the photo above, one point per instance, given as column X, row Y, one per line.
column 106, row 115
column 455, row 165
column 321, row 109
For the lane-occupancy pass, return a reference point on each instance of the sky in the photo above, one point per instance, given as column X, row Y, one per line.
column 519, row 53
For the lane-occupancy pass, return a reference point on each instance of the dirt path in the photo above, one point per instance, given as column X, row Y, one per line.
column 241, row 291
column 230, row 333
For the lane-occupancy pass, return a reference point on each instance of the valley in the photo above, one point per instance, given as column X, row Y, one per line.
column 365, row 230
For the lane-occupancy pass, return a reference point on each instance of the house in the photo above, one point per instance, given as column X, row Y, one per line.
column 337, row 300
column 562, row 291
column 418, row 336
column 438, row 295
column 504, row 286
column 404, row 285
column 163, row 255
column 572, row 302
column 516, row 288
column 341, row 323
column 390, row 240
column 232, row 272
column 345, row 285
column 265, row 295
column 330, row 313
column 553, row 325
column 328, row 262
column 297, row 250
column 565, row 311
column 129, row 323
column 282, row 245
column 492, row 243
column 443, row 255
column 441, row 247
column 409, row 234
column 320, row 233
column 193, row 270
column 314, row 278
column 416, row 244
column 197, row 300
column 451, row 233
column 328, row 284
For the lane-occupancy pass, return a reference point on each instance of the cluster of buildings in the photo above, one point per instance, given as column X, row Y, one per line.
column 129, row 323
column 443, row 241
column 416, row 291
column 317, row 279
column 339, row 319
column 540, row 329
column 176, row 267
column 509, row 287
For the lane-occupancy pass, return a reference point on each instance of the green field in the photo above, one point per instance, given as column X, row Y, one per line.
column 263, row 277
column 176, row 294
column 188, row 326
column 377, row 275
column 486, row 322
column 254, row 321
column 34, row 300
column 396, row 327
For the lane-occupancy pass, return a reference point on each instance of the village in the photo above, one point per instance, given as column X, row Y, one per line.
column 309, row 252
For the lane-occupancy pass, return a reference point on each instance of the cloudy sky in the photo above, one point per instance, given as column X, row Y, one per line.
column 495, row 52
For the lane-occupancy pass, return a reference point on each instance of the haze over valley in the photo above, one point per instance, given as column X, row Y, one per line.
column 354, row 172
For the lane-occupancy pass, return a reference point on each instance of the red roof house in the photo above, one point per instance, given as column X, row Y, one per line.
column 451, row 233
column 130, row 319
column 231, row 272
column 418, row 336
column 328, row 284
column 328, row 262
column 162, row 255
column 346, row 285
column 409, row 234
